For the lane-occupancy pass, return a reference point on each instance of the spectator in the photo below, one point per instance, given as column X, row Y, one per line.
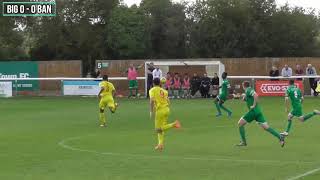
column 96, row 73
column 186, row 86
column 311, row 71
column 149, row 78
column 205, row 86
column 176, row 85
column 157, row 73
column 286, row 71
column 168, row 84
column 274, row 73
column 195, row 84
column 215, row 85
column 299, row 72
column 133, row 83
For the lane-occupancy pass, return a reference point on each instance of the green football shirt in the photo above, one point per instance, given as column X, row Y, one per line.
column 295, row 96
column 224, row 88
column 250, row 99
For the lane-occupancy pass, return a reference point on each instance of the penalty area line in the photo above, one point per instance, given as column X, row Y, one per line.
column 305, row 174
column 63, row 144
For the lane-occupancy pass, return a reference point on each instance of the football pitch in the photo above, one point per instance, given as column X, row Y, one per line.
column 52, row 138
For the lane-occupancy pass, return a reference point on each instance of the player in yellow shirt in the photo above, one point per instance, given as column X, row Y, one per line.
column 159, row 109
column 105, row 96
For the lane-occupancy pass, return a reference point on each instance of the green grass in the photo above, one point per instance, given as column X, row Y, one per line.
column 32, row 128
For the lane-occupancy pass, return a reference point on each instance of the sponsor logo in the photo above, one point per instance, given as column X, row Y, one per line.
column 275, row 88
column 21, row 75
column 85, row 87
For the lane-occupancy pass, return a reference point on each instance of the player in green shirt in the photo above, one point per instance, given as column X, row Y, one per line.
column 223, row 96
column 294, row 94
column 255, row 113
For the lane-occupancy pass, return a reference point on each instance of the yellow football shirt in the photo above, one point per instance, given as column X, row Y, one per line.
column 107, row 89
column 160, row 97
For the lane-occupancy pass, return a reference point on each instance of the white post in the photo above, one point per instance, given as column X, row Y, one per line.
column 146, row 78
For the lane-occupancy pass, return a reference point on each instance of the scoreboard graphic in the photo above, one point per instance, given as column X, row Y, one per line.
column 29, row 8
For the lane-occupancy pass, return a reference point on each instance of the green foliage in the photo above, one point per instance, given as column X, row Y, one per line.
column 10, row 40
column 128, row 33
column 100, row 29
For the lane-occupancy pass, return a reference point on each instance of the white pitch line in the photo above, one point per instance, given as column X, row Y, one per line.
column 64, row 145
column 305, row 174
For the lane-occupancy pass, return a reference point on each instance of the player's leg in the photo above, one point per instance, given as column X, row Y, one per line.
column 165, row 126
column 308, row 116
column 224, row 108
column 263, row 123
column 130, row 88
column 102, row 117
column 184, row 93
column 241, row 123
column 159, row 121
column 289, row 125
column 217, row 102
column 136, row 87
column 179, row 92
column 112, row 105
column 172, row 91
column 175, row 92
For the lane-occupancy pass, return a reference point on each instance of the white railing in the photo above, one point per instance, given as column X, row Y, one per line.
column 62, row 79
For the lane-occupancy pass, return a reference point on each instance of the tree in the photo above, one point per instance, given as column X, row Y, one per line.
column 167, row 28
column 128, row 33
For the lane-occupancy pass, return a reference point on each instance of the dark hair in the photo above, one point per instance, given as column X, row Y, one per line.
column 156, row 82
column 246, row 84
column 105, row 77
column 291, row 81
column 224, row 75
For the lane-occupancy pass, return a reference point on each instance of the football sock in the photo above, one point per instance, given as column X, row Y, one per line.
column 130, row 92
column 160, row 138
column 168, row 126
column 136, row 91
column 226, row 109
column 273, row 132
column 218, row 107
column 242, row 134
column 308, row 116
column 289, row 126
column 102, row 118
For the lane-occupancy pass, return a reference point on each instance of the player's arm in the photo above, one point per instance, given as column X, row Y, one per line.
column 287, row 103
column 113, row 91
column 152, row 102
column 255, row 100
column 286, row 99
column 243, row 97
column 302, row 98
column 151, row 107
column 99, row 95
